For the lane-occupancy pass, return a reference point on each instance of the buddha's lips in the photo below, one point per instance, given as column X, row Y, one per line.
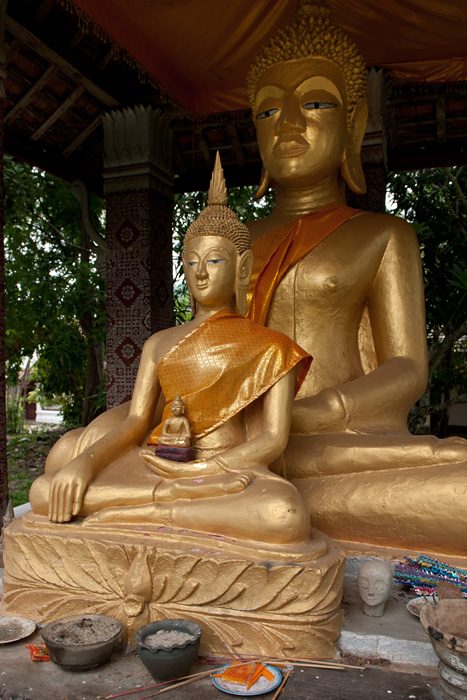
column 290, row 145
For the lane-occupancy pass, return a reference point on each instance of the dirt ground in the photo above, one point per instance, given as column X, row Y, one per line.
column 26, row 455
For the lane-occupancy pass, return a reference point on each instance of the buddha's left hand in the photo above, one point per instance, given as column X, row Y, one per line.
column 321, row 413
column 176, row 470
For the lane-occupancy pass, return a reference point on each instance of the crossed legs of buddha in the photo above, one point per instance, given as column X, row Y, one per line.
column 405, row 492
column 266, row 509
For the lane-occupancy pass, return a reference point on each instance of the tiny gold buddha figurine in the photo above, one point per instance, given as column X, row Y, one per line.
column 222, row 368
column 176, row 431
column 347, row 286
column 175, row 441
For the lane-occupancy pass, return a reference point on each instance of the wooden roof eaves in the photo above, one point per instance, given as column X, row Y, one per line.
column 25, row 36
column 25, row 100
column 70, row 100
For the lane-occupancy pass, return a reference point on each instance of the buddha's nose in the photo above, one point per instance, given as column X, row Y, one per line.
column 201, row 272
column 291, row 119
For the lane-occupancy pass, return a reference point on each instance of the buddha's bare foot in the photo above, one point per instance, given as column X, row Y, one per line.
column 203, row 487
column 147, row 512
column 452, row 450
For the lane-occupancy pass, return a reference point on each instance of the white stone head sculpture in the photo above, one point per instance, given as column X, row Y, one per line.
column 374, row 585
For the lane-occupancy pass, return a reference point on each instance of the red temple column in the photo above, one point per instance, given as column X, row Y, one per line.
column 3, row 459
column 138, row 185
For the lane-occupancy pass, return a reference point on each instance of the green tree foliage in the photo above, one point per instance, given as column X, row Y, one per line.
column 187, row 208
column 435, row 202
column 54, row 297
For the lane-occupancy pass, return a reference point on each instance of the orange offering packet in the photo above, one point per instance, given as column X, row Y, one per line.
column 238, row 674
column 39, row 652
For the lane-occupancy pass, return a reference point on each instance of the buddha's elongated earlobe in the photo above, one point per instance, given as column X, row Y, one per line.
column 192, row 303
column 190, row 295
column 244, row 270
column 351, row 168
column 263, row 184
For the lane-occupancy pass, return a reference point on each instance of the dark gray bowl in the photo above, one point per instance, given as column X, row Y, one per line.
column 166, row 664
column 78, row 657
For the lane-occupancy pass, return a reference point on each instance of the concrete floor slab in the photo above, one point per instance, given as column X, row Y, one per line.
column 22, row 679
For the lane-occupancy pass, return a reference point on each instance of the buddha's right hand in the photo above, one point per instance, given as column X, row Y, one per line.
column 177, row 470
column 67, row 489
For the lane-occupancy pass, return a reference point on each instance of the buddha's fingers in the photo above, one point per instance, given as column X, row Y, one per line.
column 65, row 500
column 158, row 465
column 177, row 470
column 239, row 483
column 66, row 503
column 61, row 501
column 54, row 512
column 78, row 496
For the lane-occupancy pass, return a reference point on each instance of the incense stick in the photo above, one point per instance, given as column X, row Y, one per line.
column 325, row 662
column 312, row 663
column 189, row 679
column 157, row 685
column 305, row 663
column 299, row 665
column 282, row 685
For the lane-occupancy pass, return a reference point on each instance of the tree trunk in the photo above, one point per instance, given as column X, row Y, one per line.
column 439, row 424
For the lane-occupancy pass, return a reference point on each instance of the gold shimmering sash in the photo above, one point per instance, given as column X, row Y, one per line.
column 222, row 366
column 276, row 252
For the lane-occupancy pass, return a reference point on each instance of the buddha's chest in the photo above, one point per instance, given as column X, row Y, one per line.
column 328, row 288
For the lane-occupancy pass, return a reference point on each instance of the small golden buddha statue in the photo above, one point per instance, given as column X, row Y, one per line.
column 176, row 431
column 347, row 286
column 175, row 441
column 218, row 365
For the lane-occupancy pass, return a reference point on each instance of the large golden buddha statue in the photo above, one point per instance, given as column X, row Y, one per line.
column 116, row 528
column 216, row 365
column 347, row 286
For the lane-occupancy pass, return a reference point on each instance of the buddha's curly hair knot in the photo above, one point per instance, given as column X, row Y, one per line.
column 310, row 33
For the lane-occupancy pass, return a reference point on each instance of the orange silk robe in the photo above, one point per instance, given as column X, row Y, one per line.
column 277, row 251
column 222, row 366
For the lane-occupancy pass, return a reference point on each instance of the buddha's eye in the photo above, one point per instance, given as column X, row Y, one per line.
column 216, row 261
column 194, row 262
column 267, row 113
column 319, row 105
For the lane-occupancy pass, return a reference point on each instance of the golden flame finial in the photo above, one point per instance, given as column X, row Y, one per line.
column 217, row 219
column 217, row 190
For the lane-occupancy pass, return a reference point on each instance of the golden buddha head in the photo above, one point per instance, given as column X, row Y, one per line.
column 177, row 407
column 307, row 91
column 202, row 249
